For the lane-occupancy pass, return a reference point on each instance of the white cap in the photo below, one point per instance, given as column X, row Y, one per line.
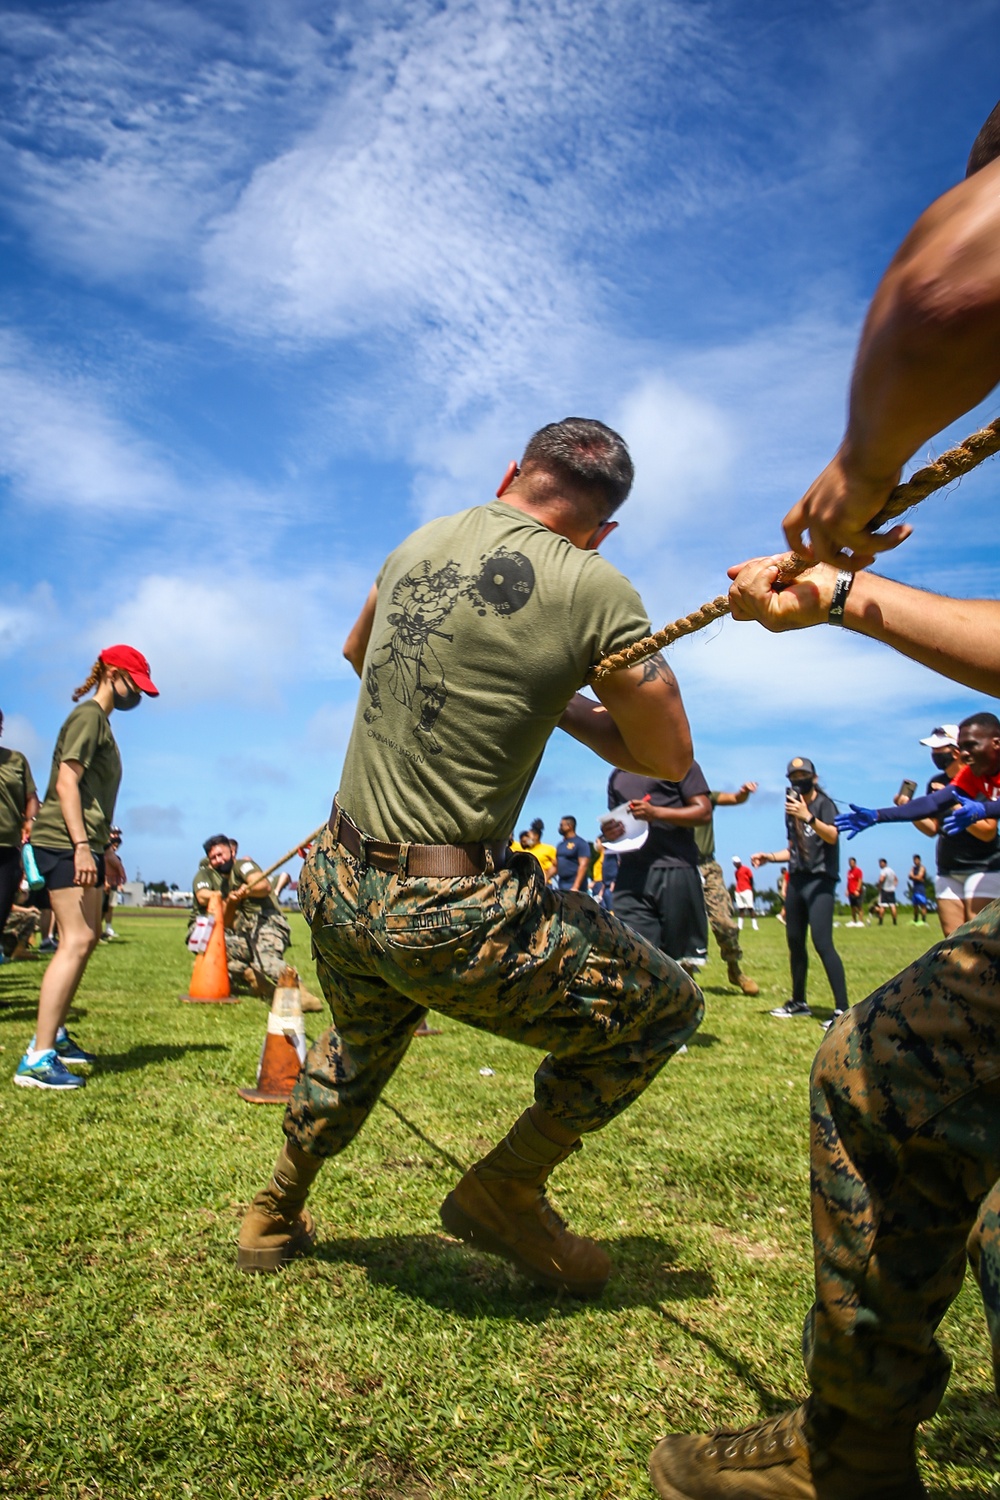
column 944, row 734
column 737, row 860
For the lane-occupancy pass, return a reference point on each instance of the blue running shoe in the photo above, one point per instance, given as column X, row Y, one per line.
column 47, row 1073
column 71, row 1052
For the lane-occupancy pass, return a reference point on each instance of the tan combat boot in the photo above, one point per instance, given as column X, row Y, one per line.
column 812, row 1453
column 500, row 1207
column 277, row 1225
column 258, row 984
column 742, row 981
column 308, row 1000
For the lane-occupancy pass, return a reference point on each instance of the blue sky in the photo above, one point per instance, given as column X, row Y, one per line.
column 283, row 279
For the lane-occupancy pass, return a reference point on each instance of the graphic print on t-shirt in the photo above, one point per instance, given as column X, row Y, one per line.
column 405, row 663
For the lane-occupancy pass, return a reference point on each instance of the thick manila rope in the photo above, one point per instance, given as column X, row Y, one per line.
column 950, row 466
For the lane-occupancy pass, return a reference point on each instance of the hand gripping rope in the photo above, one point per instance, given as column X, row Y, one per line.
column 951, row 465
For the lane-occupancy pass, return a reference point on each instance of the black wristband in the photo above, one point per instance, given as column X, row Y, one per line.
column 841, row 589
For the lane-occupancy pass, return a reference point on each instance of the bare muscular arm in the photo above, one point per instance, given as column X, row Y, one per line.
column 929, row 351
column 639, row 725
column 959, row 638
column 360, row 632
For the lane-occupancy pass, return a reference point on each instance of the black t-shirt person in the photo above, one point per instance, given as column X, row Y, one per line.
column 668, row 844
column 807, row 853
column 658, row 892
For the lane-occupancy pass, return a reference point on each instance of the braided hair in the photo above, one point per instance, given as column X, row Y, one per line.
column 95, row 677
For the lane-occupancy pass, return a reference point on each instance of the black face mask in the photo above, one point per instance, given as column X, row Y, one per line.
column 131, row 698
column 803, row 787
column 224, row 869
column 942, row 758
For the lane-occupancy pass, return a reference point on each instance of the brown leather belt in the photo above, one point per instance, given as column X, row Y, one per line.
column 436, row 861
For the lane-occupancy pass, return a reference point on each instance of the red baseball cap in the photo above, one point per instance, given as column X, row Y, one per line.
column 134, row 663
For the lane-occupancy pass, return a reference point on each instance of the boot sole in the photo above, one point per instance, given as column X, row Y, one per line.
column 267, row 1261
column 460, row 1224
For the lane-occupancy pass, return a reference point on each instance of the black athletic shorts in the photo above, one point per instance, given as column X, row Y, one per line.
column 58, row 870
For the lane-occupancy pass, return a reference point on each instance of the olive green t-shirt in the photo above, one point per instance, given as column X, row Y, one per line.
column 17, row 787
column 244, row 872
column 85, row 737
column 704, row 834
column 486, row 625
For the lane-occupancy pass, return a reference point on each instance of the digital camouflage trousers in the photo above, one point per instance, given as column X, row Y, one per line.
column 259, row 942
column 719, row 906
column 501, row 952
column 20, row 925
column 905, row 1169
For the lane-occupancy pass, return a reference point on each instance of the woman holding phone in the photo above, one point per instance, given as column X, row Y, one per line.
column 70, row 835
column 813, row 860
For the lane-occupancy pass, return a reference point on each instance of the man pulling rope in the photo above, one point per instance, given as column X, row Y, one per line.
column 906, row 1086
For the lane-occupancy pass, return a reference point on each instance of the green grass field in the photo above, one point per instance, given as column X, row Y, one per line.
column 395, row 1365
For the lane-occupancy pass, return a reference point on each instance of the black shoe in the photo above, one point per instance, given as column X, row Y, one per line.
column 792, row 1008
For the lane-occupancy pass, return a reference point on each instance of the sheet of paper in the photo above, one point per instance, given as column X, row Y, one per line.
column 636, row 832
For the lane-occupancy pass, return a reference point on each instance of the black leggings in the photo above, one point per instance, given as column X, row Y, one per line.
column 809, row 908
column 10, row 880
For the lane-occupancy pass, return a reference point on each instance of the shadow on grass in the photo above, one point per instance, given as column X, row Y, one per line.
column 964, row 1432
column 149, row 1055
column 704, row 1039
column 443, row 1274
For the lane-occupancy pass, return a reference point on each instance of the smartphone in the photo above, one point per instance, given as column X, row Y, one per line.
column 906, row 789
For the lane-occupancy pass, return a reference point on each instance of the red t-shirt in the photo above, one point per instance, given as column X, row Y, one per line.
column 855, row 879
column 983, row 788
column 744, row 878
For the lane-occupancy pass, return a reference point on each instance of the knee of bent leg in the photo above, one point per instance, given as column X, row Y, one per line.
column 678, row 1006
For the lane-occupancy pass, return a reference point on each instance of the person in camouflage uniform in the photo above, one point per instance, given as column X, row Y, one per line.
column 718, row 902
column 905, row 1090
column 471, row 649
column 21, row 925
column 259, row 937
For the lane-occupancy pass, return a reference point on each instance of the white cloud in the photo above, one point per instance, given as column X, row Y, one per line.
column 453, row 191
column 25, row 619
column 60, row 444
column 683, row 449
column 20, row 734
column 233, row 639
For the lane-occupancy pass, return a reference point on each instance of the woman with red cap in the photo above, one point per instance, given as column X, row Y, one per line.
column 70, row 835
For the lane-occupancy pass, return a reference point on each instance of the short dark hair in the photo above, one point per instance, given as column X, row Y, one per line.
column 217, row 838
column 568, row 818
column 986, row 146
column 988, row 721
column 591, row 456
column 883, row 861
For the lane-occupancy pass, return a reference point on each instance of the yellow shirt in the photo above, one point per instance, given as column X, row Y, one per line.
column 546, row 856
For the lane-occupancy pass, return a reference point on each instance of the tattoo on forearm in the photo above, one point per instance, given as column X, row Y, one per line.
column 654, row 669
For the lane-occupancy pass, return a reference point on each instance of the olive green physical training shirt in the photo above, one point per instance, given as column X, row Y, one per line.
column 243, row 872
column 704, row 834
column 85, row 737
column 17, row 787
column 486, row 625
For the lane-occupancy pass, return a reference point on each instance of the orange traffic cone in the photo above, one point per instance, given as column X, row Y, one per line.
column 210, row 976
column 284, row 1049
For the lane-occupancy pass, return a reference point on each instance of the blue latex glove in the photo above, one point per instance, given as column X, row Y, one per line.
column 968, row 811
column 857, row 820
